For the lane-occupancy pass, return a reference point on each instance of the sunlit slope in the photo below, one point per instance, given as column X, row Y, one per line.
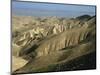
column 73, row 45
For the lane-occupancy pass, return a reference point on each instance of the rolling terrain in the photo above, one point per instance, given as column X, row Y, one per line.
column 50, row 44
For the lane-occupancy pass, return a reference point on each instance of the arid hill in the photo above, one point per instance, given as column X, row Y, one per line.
column 54, row 44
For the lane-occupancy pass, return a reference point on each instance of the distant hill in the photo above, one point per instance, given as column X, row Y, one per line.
column 83, row 17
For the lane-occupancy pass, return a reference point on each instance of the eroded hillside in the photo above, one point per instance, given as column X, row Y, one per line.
column 53, row 44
